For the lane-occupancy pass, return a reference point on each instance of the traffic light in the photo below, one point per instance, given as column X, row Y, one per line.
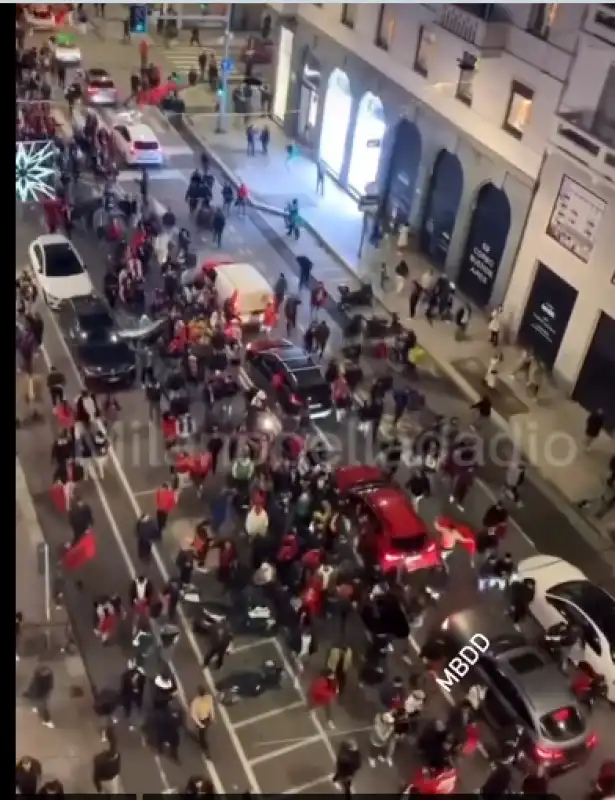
column 138, row 19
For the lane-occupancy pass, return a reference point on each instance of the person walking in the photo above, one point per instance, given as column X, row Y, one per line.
column 166, row 500
column 106, row 766
column 221, row 641
column 493, row 369
column 39, row 693
column 202, row 714
column 320, row 178
column 594, row 425
column 347, row 764
column 415, row 295
column 323, row 693
column 132, row 687
column 218, row 224
column 495, row 326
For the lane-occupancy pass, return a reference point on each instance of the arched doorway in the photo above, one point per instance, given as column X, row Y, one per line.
column 335, row 121
column 485, row 244
column 367, row 143
column 309, row 97
column 402, row 170
column 441, row 207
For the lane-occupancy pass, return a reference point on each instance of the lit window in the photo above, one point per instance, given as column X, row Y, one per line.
column 519, row 109
column 424, row 50
column 465, row 85
column 385, row 26
column 349, row 13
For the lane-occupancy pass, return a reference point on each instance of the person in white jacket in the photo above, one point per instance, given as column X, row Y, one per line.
column 257, row 522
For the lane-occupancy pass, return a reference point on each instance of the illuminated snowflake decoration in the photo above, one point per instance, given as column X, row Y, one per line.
column 35, row 174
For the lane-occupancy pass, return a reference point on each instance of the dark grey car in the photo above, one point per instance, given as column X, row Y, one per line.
column 524, row 687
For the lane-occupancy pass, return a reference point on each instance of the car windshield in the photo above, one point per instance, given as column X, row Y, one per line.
column 97, row 326
column 410, row 544
column 61, row 261
column 146, row 145
column 107, row 354
column 563, row 724
column 594, row 602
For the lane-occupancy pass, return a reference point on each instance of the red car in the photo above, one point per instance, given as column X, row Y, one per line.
column 392, row 533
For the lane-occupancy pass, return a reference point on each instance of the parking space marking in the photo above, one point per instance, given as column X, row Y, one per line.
column 146, row 492
column 285, row 750
column 303, row 787
column 244, row 723
column 251, row 646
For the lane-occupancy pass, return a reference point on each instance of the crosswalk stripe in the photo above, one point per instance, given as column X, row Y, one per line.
column 130, row 176
column 185, row 60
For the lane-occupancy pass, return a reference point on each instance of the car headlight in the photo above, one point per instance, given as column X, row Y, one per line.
column 53, row 301
column 92, row 371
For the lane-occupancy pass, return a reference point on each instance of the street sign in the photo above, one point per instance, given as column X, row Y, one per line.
column 227, row 65
column 368, row 201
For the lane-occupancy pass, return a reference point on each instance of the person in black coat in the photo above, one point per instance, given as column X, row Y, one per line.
column 132, row 687
column 80, row 518
column 54, row 787
column 347, row 764
column 28, row 773
column 106, row 766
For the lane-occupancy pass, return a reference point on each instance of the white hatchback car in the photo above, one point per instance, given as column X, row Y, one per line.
column 135, row 140
column 564, row 594
column 59, row 270
column 65, row 50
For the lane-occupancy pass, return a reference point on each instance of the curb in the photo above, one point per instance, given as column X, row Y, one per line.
column 590, row 532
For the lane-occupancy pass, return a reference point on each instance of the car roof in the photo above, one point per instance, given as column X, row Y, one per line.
column 47, row 239
column 499, row 630
column 356, row 476
column 395, row 511
column 293, row 357
column 271, row 345
column 89, row 305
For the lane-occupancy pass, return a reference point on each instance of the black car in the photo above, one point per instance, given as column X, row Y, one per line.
column 99, row 350
column 301, row 382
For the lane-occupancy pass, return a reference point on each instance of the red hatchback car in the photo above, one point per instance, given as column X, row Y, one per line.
column 392, row 533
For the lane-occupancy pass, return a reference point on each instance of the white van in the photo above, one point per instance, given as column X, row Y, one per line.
column 251, row 290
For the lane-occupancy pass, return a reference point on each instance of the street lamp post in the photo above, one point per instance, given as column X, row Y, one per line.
column 221, row 126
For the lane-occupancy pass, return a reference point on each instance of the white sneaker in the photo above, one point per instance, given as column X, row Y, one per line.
column 371, row 762
column 451, row 499
column 331, row 725
column 49, row 724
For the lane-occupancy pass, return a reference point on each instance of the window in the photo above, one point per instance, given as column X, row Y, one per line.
column 519, row 109
column 542, row 17
column 467, row 69
column 424, row 50
column 385, row 26
column 61, row 261
column 349, row 12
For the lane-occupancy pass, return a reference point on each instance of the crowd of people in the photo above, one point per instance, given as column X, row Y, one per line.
column 277, row 531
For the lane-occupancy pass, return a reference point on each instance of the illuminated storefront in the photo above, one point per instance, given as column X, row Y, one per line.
column 335, row 121
column 367, row 143
column 282, row 77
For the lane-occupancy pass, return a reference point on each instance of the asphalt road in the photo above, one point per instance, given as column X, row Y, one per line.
column 273, row 744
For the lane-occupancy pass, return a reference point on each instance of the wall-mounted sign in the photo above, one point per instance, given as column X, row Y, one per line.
column 373, row 143
column 576, row 217
column 485, row 245
column 547, row 312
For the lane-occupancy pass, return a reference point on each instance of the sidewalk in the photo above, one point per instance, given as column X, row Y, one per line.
column 65, row 751
column 547, row 430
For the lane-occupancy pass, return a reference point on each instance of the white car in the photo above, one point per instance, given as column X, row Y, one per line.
column 564, row 594
column 59, row 270
column 135, row 140
column 65, row 51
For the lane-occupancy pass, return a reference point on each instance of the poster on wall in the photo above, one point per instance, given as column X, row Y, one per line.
column 547, row 313
column 576, row 217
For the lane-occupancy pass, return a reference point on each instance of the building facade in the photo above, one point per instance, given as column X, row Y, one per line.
column 453, row 111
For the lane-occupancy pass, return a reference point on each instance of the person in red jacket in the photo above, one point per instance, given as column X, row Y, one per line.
column 199, row 470
column 166, row 500
column 270, row 317
column 313, row 597
column 323, row 692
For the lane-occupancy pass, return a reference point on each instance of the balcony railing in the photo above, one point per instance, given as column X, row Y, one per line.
column 589, row 139
column 600, row 21
column 484, row 26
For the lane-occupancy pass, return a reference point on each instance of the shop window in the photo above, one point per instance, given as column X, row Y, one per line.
column 424, row 51
column 385, row 26
column 542, row 17
column 519, row 109
column 465, row 85
column 349, row 14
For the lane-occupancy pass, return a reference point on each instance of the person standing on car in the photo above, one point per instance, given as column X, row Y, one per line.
column 202, row 714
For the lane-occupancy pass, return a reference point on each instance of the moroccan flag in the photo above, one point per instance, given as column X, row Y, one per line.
column 80, row 553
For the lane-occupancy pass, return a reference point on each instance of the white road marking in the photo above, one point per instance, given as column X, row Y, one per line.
column 162, row 174
column 283, row 751
column 251, row 646
column 303, row 787
column 274, row 712
column 254, row 786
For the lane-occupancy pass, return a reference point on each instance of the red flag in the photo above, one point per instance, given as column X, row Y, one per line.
column 82, row 552
column 58, row 497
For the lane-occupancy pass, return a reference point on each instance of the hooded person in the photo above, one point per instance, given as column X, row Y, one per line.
column 28, row 772
column 347, row 764
column 164, row 688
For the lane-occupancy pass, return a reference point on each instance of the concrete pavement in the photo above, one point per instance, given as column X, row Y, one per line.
column 129, row 487
column 65, row 751
column 548, row 430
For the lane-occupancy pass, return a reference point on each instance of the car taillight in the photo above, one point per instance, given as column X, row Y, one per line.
column 548, row 754
column 294, row 398
column 592, row 740
column 91, row 90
